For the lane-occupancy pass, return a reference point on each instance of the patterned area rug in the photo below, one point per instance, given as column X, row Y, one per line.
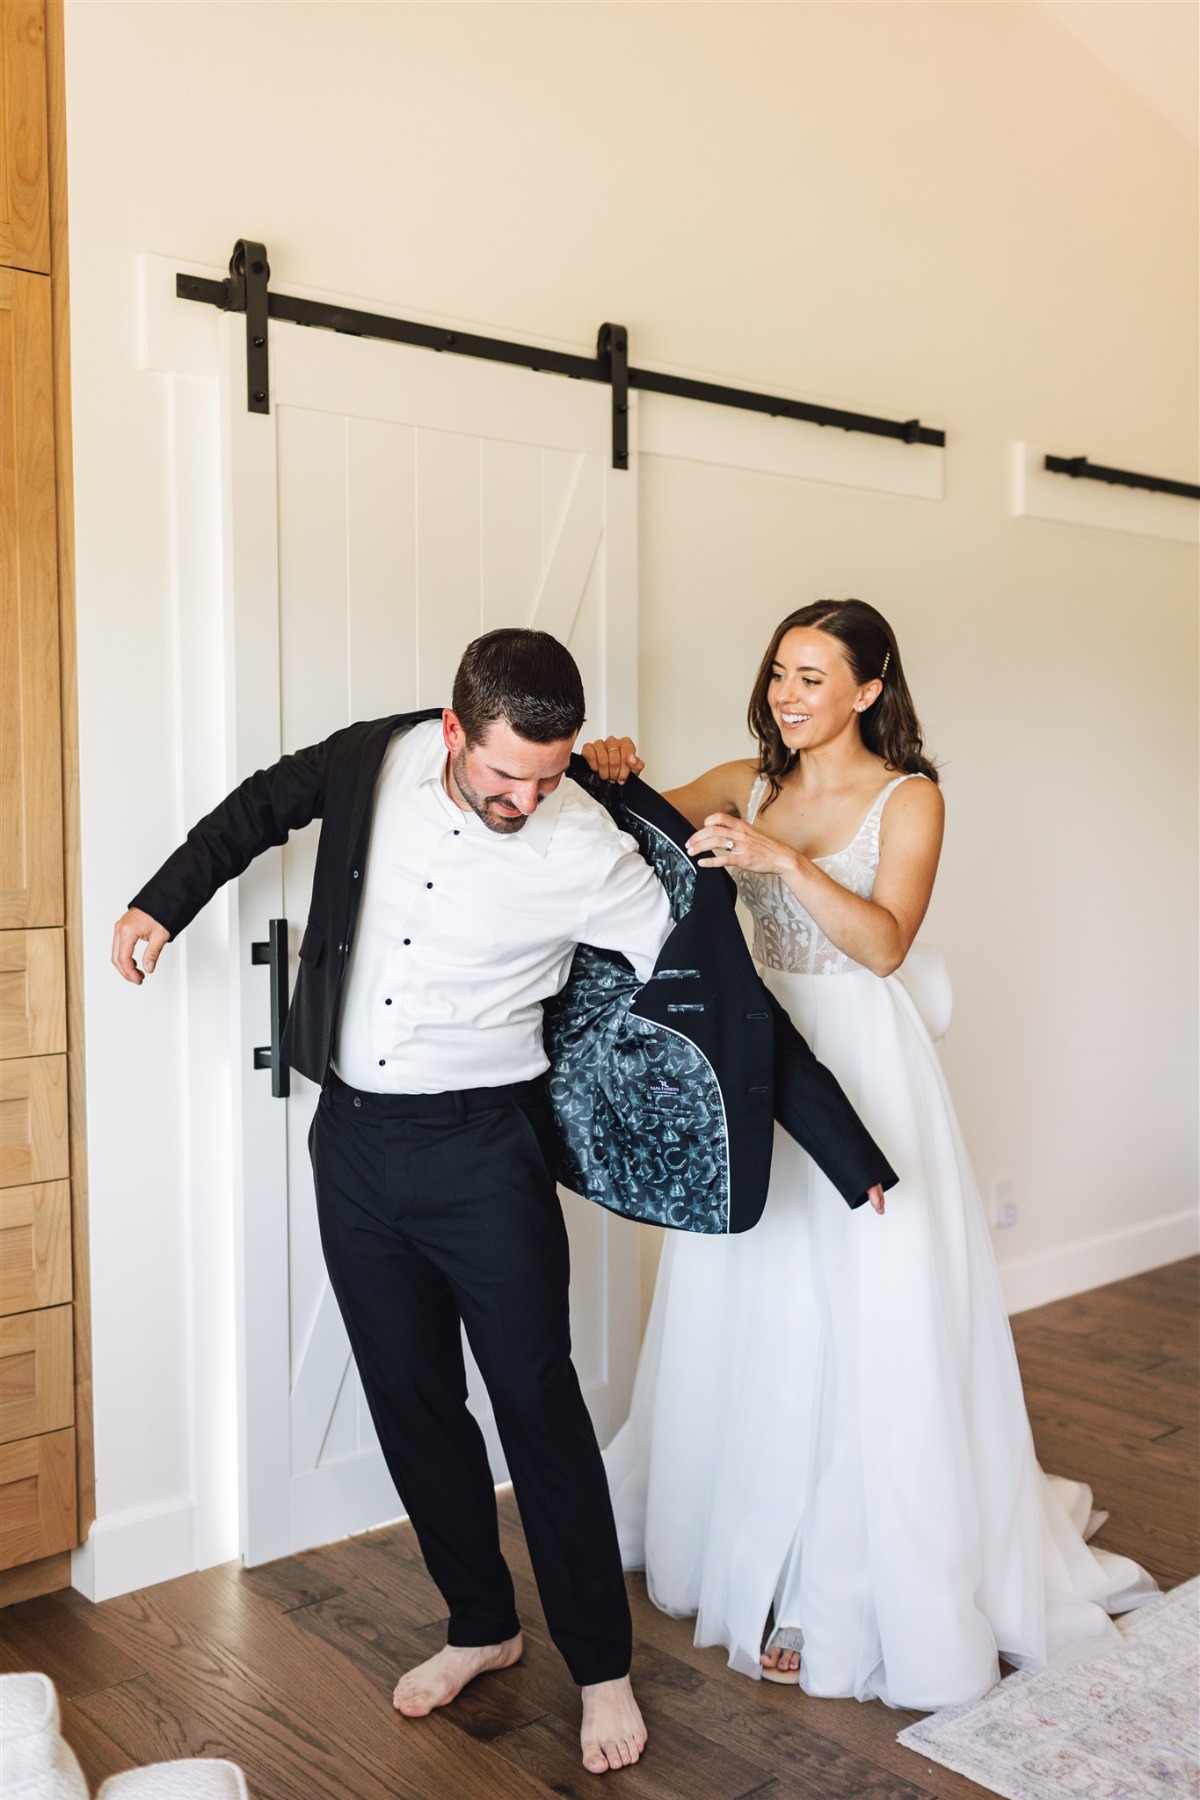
column 1117, row 1728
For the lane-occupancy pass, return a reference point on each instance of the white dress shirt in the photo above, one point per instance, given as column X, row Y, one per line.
column 463, row 932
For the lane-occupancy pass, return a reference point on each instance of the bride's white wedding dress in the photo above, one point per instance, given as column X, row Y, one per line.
column 828, row 1419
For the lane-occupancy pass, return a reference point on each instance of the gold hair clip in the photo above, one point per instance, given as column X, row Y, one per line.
column 886, row 660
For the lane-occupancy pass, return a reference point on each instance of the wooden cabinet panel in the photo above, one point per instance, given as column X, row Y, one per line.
column 37, row 1377
column 33, row 1120
column 35, row 1246
column 45, row 1403
column 37, row 1497
column 33, row 993
column 31, row 818
column 24, row 184
column 29, row 1580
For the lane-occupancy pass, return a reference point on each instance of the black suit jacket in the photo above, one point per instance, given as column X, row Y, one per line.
column 665, row 1091
column 704, row 1001
column 333, row 781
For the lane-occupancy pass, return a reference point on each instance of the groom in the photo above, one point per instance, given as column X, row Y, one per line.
column 456, row 874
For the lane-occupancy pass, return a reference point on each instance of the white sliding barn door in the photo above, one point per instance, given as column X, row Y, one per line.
column 393, row 505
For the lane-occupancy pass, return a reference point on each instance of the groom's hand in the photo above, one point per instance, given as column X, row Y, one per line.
column 133, row 928
column 875, row 1196
column 613, row 758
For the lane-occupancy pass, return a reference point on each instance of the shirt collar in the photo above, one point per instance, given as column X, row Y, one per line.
column 537, row 830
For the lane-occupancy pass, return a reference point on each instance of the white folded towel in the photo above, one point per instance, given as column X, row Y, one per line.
column 35, row 1763
column 201, row 1779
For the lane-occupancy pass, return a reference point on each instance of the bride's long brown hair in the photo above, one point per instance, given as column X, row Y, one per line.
column 890, row 727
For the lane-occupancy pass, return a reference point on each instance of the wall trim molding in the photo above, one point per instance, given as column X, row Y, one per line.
column 687, row 432
column 179, row 338
column 137, row 1548
column 1094, row 1262
column 1038, row 494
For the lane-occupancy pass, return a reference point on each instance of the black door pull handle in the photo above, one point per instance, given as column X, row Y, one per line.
column 270, row 1056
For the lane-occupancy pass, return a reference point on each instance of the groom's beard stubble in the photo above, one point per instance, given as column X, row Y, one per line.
column 485, row 806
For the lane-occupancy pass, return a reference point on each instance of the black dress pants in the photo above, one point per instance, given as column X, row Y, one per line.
column 440, row 1209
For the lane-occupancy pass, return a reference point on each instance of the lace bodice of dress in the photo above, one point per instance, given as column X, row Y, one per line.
column 785, row 935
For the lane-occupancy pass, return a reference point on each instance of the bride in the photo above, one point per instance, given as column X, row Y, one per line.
column 828, row 1460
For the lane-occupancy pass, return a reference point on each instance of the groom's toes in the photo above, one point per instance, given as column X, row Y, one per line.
column 411, row 1702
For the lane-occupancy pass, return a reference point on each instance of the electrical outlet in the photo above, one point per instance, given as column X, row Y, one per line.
column 1004, row 1207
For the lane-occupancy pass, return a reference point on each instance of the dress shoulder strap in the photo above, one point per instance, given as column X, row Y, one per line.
column 874, row 818
column 756, row 798
column 881, row 799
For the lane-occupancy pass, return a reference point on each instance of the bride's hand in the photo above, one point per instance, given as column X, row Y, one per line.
column 724, row 841
column 613, row 758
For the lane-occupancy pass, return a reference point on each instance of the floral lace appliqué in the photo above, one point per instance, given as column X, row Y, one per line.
column 785, row 935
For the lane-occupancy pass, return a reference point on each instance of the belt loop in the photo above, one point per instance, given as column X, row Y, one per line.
column 460, row 1106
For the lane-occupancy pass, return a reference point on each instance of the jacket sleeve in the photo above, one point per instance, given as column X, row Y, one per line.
column 812, row 1108
column 258, row 815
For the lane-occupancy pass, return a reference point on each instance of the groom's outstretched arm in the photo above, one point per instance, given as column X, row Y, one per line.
column 812, row 1107
column 257, row 815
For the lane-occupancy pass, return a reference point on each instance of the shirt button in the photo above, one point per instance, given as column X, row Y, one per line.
column 429, row 884
column 457, row 832
column 408, row 940
column 382, row 1063
column 387, row 1003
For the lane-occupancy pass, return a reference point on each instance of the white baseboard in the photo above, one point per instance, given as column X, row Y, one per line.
column 1095, row 1261
column 137, row 1548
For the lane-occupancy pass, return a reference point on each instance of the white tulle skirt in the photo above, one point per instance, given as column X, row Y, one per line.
column 828, row 1420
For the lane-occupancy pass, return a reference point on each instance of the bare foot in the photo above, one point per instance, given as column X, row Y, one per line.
column 613, row 1734
column 780, row 1662
column 441, row 1679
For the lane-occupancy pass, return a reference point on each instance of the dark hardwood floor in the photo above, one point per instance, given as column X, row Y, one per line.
column 288, row 1669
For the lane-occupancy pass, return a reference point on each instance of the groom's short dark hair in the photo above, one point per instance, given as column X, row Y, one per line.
column 526, row 677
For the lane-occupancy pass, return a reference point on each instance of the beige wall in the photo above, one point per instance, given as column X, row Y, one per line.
column 949, row 210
